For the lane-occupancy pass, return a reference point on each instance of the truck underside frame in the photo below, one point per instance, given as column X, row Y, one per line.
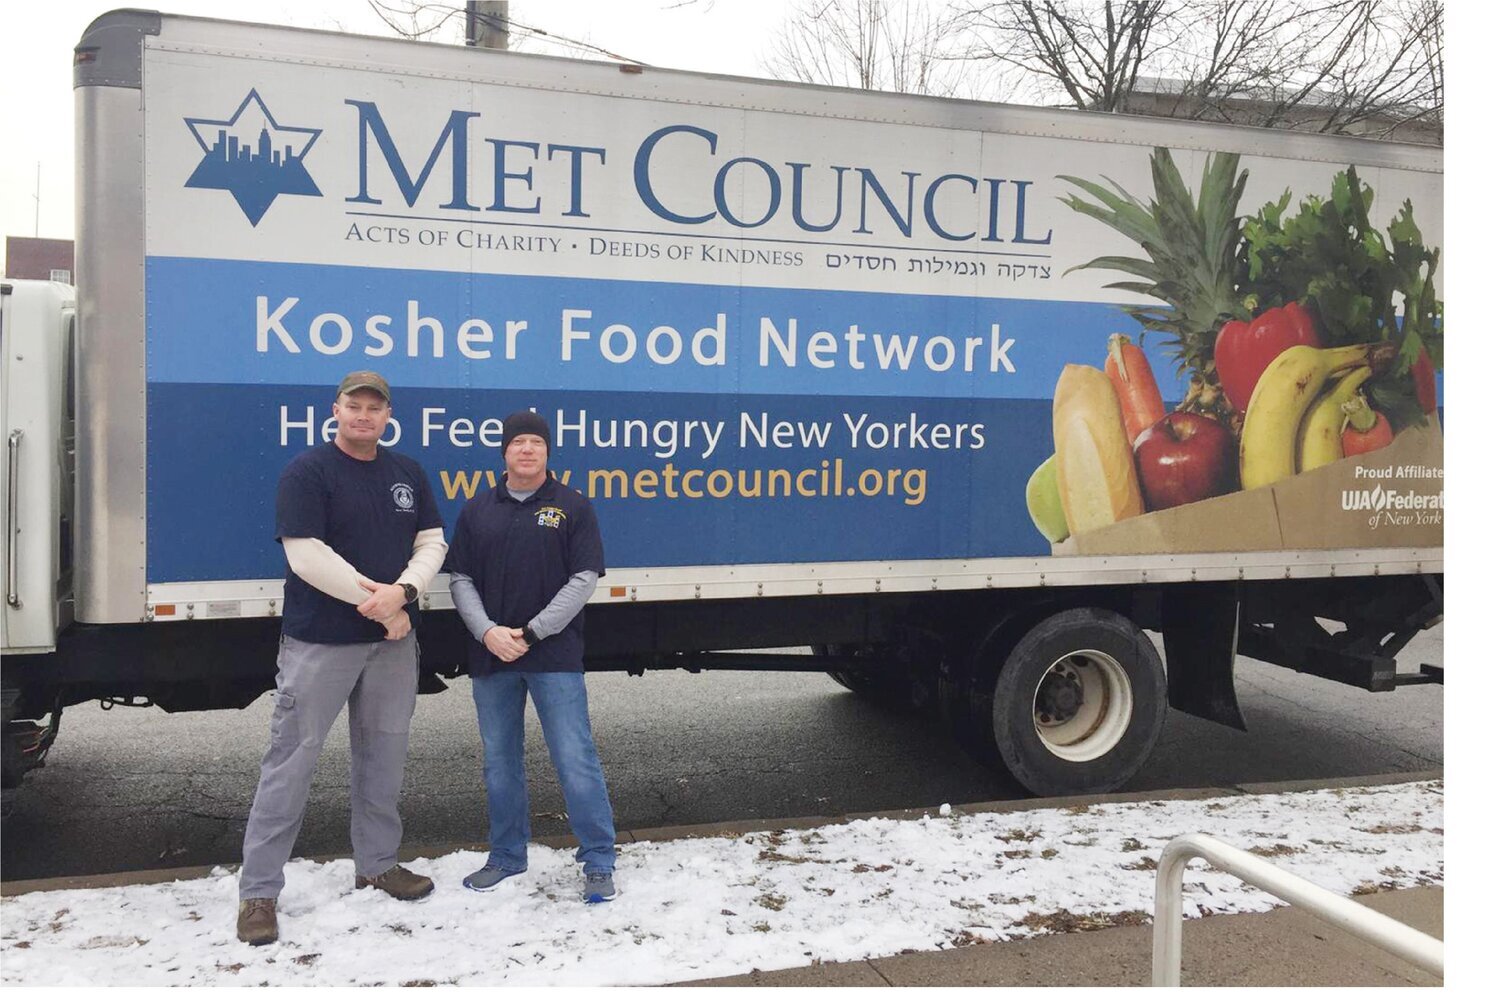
column 187, row 666
column 947, row 650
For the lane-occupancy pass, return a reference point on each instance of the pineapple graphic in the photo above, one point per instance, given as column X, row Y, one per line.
column 1190, row 265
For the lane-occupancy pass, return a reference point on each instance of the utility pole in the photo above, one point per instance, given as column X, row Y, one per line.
column 36, row 225
column 487, row 24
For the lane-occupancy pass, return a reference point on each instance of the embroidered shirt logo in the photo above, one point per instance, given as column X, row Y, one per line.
column 550, row 517
column 404, row 495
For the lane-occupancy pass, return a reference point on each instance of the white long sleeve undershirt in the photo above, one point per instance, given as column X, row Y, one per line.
column 321, row 567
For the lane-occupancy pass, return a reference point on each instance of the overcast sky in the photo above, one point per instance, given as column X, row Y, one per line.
column 37, row 39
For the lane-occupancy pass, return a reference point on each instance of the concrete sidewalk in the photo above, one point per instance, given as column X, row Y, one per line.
column 1283, row 947
column 1280, row 948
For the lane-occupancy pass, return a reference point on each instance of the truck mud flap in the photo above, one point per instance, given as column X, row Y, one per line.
column 1200, row 629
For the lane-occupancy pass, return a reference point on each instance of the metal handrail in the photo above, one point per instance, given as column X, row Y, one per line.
column 12, row 518
column 1422, row 950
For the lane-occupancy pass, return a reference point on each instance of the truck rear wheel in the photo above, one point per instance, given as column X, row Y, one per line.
column 1079, row 703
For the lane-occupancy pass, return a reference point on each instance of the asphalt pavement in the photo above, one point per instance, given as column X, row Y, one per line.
column 132, row 789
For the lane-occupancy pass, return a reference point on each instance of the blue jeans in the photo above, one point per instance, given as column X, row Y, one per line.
column 562, row 703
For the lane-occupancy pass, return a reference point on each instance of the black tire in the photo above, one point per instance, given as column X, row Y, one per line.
column 966, row 700
column 890, row 687
column 843, row 679
column 966, row 681
column 1101, row 710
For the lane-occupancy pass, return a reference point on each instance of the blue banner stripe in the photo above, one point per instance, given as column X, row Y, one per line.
column 905, row 491
column 250, row 323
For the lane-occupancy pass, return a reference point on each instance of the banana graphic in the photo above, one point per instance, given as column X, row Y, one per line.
column 1285, row 392
column 1320, row 441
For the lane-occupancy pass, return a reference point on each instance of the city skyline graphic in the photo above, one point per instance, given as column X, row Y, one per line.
column 253, row 165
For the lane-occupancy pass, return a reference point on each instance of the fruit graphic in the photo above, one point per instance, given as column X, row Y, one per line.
column 1234, row 290
column 1243, row 351
column 1424, row 378
column 1190, row 248
column 1096, row 476
column 1367, row 430
column 1268, row 444
column 1319, row 441
column 1135, row 385
column 1185, row 457
column 1282, row 327
column 1044, row 502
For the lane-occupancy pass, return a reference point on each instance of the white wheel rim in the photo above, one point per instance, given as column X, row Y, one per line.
column 1093, row 726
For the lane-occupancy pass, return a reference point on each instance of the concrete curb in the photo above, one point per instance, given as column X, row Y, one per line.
column 739, row 828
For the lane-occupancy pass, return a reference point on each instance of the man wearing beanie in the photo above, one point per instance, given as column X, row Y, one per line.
column 526, row 557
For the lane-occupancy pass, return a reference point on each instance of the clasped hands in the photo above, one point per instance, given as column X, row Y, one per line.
column 506, row 643
column 386, row 605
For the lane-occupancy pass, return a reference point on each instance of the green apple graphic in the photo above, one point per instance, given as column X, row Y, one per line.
column 1045, row 503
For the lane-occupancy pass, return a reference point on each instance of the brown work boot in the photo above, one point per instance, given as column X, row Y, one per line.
column 398, row 882
column 257, row 922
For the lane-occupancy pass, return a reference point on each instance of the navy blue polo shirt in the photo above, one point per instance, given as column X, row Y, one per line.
column 369, row 512
column 519, row 555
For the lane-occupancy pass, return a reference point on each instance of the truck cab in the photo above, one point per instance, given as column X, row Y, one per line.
column 36, row 330
column 37, row 320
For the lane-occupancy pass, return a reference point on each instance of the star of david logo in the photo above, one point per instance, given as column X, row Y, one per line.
column 253, row 157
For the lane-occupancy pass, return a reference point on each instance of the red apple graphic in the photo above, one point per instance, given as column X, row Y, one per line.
column 1185, row 457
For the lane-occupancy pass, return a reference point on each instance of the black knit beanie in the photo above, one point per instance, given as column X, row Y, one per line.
column 525, row 422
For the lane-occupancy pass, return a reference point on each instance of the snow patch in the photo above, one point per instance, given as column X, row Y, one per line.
column 697, row 909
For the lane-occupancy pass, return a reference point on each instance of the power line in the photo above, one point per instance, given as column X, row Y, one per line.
column 507, row 23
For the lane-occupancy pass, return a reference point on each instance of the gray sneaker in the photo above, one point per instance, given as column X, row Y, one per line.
column 598, row 887
column 489, row 877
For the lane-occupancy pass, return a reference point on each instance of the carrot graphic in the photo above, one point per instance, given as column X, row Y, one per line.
column 1135, row 386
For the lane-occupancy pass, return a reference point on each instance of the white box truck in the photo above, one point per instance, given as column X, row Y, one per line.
column 966, row 397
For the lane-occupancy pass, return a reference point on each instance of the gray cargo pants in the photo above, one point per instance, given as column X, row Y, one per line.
column 378, row 680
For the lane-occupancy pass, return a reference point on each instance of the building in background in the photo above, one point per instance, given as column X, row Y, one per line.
column 1269, row 108
column 46, row 260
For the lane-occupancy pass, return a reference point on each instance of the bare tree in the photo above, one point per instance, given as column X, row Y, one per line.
column 1340, row 66
column 436, row 22
column 1228, row 50
column 1367, row 67
column 898, row 45
column 1391, row 73
column 1089, row 56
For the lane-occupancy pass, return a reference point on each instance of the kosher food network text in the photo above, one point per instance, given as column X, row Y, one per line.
column 282, row 329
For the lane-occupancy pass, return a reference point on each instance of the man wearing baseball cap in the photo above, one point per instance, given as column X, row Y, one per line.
column 349, row 515
column 526, row 557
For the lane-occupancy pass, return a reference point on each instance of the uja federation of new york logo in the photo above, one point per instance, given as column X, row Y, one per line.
column 253, row 157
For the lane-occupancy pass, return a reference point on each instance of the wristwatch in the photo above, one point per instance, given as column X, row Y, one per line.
column 411, row 592
column 528, row 636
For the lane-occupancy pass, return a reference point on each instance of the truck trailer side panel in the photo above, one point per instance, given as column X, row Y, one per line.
column 791, row 340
